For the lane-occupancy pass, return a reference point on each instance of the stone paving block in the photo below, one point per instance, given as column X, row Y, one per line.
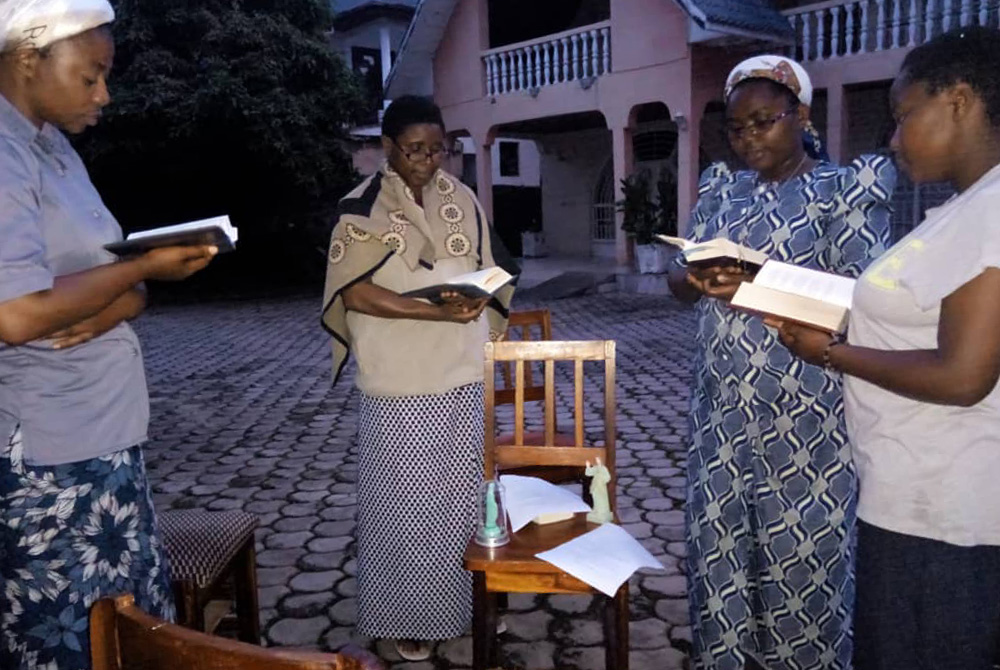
column 345, row 612
column 306, row 604
column 529, row 626
column 533, row 655
column 297, row 632
column 582, row 658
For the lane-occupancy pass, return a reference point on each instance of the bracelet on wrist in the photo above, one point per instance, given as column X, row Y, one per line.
column 834, row 341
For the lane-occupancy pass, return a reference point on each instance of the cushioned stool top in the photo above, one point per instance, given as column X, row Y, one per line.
column 200, row 544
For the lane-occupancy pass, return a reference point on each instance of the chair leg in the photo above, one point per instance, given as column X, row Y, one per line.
column 190, row 612
column 245, row 593
column 616, row 615
column 484, row 624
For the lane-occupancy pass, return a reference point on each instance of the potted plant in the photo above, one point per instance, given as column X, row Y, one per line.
column 641, row 220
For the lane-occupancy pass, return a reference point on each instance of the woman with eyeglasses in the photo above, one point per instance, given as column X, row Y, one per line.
column 420, row 372
column 771, row 487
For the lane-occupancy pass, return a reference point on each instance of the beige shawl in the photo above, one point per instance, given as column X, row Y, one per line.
column 380, row 218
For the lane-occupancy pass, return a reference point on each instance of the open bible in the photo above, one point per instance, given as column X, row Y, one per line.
column 216, row 231
column 717, row 252
column 811, row 297
column 479, row 284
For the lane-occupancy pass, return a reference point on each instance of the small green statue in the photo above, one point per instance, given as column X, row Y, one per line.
column 490, row 526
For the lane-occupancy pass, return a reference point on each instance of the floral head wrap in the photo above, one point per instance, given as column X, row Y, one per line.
column 778, row 69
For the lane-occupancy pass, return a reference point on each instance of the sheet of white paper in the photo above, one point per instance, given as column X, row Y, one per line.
column 604, row 558
column 808, row 282
column 527, row 497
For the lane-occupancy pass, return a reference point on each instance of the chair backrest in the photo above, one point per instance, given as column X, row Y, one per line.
column 123, row 637
column 526, row 325
column 517, row 454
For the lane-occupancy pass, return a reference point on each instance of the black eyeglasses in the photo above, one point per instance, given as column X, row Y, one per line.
column 756, row 127
column 415, row 156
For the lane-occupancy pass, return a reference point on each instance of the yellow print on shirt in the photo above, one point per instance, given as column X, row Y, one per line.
column 884, row 272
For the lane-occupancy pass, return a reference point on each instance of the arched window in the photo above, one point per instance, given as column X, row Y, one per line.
column 602, row 213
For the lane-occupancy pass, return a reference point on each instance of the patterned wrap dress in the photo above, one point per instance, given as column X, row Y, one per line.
column 771, row 485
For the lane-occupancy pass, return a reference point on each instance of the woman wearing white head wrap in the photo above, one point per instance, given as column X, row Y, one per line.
column 771, row 487
column 76, row 521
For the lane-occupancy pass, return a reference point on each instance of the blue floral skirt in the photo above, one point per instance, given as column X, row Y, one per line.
column 69, row 535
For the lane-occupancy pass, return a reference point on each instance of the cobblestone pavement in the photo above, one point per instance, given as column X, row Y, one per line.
column 244, row 417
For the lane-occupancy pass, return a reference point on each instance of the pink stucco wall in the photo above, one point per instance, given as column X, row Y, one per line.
column 651, row 61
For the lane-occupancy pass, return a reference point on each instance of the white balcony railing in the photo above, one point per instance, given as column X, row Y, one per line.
column 579, row 54
column 846, row 27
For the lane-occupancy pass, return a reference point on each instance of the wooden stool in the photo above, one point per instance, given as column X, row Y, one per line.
column 205, row 550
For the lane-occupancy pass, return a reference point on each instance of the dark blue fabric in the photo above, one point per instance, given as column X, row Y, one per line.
column 69, row 535
column 924, row 604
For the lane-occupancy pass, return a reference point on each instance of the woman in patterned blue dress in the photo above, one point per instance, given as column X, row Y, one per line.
column 76, row 520
column 771, row 486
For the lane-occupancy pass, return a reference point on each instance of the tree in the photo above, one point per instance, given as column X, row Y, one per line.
column 235, row 106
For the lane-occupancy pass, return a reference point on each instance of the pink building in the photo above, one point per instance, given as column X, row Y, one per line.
column 605, row 87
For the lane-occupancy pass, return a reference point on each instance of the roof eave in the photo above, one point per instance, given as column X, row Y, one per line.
column 709, row 32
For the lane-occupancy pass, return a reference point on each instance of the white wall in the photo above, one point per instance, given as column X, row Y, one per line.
column 367, row 36
column 529, row 166
column 572, row 164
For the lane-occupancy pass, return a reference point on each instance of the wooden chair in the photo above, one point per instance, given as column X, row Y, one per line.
column 513, row 568
column 527, row 326
column 212, row 555
column 123, row 637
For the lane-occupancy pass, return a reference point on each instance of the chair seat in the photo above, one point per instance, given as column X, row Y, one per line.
column 199, row 544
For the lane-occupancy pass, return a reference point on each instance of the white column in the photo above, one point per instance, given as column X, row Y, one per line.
column 929, row 20
column 484, row 174
column 835, row 32
column 863, row 46
column 385, row 45
column 806, row 38
column 820, row 30
column 849, row 31
column 914, row 24
column 897, row 22
column 606, row 42
column 880, row 26
column 621, row 152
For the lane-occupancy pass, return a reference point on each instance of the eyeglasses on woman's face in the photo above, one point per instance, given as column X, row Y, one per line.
column 416, row 153
column 756, row 127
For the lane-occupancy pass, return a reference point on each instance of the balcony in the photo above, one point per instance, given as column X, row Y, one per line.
column 840, row 28
column 581, row 54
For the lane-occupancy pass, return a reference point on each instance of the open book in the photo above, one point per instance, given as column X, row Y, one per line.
column 811, row 297
column 479, row 284
column 217, row 231
column 719, row 251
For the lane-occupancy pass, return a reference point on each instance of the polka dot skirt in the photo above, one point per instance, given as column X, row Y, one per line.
column 421, row 462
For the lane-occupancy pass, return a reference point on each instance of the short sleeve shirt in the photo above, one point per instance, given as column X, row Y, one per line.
column 84, row 401
column 927, row 470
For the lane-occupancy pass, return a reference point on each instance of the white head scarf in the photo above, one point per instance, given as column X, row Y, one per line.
column 34, row 24
column 778, row 69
